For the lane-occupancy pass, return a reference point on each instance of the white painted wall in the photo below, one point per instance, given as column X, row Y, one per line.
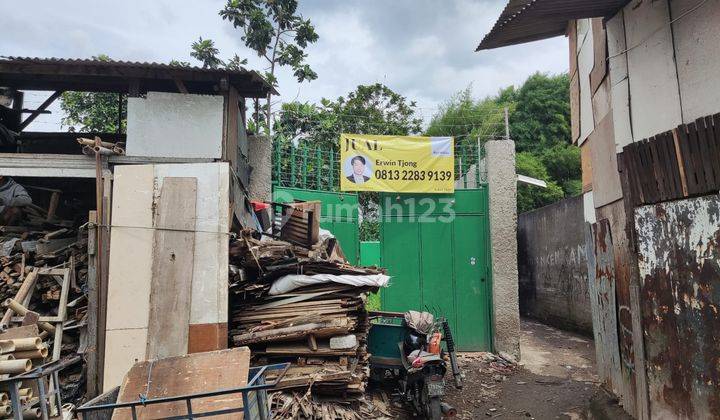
column 697, row 47
column 175, row 125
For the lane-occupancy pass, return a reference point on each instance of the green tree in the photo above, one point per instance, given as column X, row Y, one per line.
column 530, row 197
column 204, row 50
column 274, row 30
column 541, row 117
column 563, row 165
column 540, row 125
column 93, row 111
column 465, row 118
column 369, row 109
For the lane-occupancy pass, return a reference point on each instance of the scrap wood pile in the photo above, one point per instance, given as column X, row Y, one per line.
column 306, row 306
column 376, row 405
column 39, row 261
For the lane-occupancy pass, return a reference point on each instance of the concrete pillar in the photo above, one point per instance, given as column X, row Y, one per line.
column 502, row 188
column 260, row 159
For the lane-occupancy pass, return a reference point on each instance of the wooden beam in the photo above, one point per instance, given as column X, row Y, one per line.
column 40, row 109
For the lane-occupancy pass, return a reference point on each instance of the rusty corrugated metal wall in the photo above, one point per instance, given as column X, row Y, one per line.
column 679, row 263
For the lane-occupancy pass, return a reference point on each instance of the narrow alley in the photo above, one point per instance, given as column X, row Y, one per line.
column 556, row 379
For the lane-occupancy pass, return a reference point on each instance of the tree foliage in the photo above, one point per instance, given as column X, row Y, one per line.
column 369, row 109
column 539, row 124
column 204, row 50
column 467, row 119
column 93, row 111
column 541, row 118
column 530, row 197
column 274, row 30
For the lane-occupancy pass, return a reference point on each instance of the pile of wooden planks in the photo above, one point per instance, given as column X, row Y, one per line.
column 43, row 292
column 321, row 329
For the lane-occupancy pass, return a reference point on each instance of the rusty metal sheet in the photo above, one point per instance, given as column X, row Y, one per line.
column 624, row 275
column 680, row 295
column 601, row 287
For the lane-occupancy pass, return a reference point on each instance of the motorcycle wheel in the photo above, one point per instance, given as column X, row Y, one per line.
column 435, row 410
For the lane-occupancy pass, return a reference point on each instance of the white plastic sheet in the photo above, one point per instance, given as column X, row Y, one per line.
column 291, row 282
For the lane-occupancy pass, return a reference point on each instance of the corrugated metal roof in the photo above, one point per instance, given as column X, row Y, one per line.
column 114, row 63
column 119, row 68
column 531, row 20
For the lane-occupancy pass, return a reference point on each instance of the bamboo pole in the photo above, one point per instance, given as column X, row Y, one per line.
column 32, row 413
column 24, row 344
column 22, row 311
column 7, row 347
column 22, row 293
column 15, row 366
column 40, row 353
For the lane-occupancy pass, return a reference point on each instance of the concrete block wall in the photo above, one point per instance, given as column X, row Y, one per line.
column 552, row 265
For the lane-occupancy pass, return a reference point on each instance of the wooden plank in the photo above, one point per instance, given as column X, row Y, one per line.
column 680, row 161
column 643, row 403
column 658, row 167
column 574, row 107
column 182, row 375
column 713, row 152
column 696, row 159
column 207, row 337
column 599, row 71
column 103, row 265
column 705, row 154
column 645, row 173
column 91, row 355
column 668, row 145
column 173, row 257
column 20, row 332
column 572, row 41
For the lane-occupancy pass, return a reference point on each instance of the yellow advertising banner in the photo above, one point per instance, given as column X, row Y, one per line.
column 408, row 164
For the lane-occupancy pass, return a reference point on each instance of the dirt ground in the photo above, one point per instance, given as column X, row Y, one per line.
column 555, row 380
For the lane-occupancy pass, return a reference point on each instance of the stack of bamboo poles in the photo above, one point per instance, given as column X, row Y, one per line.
column 20, row 355
column 27, row 399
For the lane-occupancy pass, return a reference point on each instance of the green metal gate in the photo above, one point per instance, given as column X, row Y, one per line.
column 436, row 250
column 338, row 214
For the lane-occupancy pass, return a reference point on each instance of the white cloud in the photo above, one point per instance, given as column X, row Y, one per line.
column 423, row 49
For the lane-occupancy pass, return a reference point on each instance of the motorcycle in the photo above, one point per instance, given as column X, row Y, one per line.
column 408, row 348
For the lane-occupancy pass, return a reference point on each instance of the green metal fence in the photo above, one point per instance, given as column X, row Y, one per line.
column 317, row 168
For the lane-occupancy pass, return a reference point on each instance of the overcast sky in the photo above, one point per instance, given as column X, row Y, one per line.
column 423, row 49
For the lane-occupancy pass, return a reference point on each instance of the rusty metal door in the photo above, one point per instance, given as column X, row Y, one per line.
column 679, row 263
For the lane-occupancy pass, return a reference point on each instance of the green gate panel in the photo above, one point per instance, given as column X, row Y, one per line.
column 471, row 275
column 370, row 253
column 338, row 214
column 440, row 265
column 438, row 281
column 400, row 245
